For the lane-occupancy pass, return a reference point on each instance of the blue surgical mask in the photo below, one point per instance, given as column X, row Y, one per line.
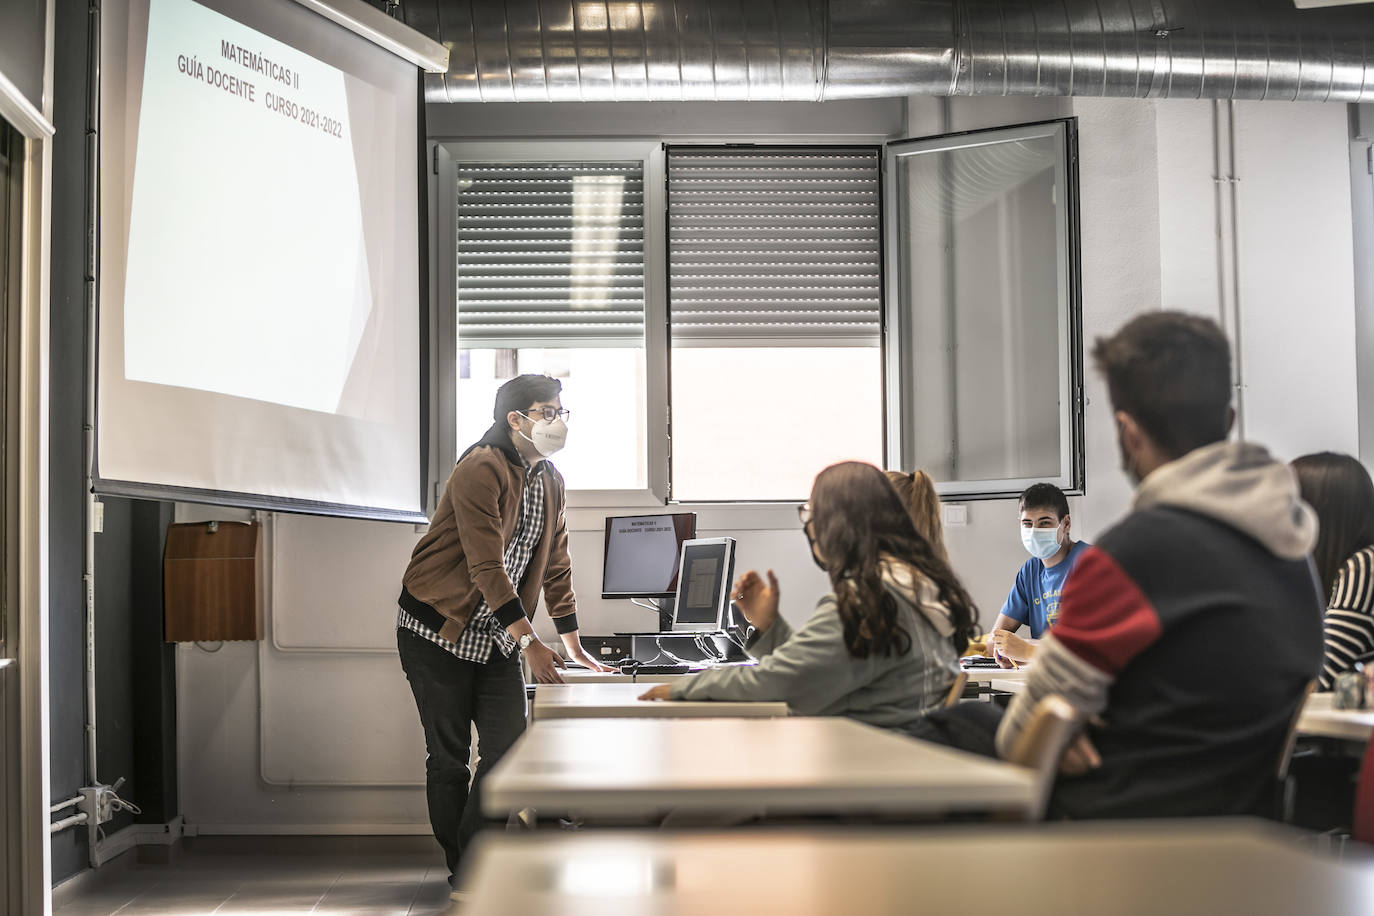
column 1041, row 543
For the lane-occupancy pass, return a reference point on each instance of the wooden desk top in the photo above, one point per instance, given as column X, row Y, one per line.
column 612, row 769
column 1193, row 868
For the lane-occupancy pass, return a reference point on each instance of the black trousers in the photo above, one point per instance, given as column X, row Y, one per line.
column 452, row 695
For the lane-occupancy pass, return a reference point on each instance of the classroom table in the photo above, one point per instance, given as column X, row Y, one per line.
column 606, row 770
column 1320, row 719
column 994, row 675
column 615, row 701
column 1193, row 868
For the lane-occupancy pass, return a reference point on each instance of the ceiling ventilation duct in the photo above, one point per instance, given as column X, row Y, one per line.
column 674, row 50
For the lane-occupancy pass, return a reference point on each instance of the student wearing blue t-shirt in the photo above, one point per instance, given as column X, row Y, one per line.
column 1034, row 598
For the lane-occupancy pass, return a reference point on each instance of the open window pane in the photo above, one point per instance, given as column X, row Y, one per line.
column 775, row 316
column 985, row 307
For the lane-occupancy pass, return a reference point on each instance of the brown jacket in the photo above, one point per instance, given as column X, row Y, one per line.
column 460, row 559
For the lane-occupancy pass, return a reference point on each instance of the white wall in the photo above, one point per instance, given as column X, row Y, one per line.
column 347, row 715
column 1295, row 251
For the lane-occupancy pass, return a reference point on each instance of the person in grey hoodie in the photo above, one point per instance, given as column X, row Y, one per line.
column 1188, row 633
column 883, row 647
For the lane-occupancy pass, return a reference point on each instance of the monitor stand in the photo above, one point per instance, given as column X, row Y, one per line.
column 666, row 608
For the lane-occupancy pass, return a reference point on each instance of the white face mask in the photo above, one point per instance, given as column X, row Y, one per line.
column 547, row 436
column 1041, row 543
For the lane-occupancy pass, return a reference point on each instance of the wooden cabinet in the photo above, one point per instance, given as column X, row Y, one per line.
column 212, row 582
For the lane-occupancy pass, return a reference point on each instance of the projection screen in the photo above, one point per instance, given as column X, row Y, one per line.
column 261, row 296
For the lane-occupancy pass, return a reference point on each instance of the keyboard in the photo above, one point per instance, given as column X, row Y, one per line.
column 658, row 669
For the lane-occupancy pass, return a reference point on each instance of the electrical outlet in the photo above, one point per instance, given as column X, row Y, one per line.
column 96, row 801
column 955, row 515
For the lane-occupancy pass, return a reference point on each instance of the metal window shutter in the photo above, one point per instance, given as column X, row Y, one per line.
column 550, row 254
column 774, row 245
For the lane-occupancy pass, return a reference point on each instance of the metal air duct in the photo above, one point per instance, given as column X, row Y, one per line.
column 683, row 50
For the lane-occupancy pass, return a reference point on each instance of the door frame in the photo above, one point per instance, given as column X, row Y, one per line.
column 29, row 457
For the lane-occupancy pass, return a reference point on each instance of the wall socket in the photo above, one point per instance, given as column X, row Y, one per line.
column 954, row 514
column 96, row 802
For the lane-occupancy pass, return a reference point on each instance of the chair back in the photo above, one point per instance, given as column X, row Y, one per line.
column 1041, row 745
column 1291, row 740
column 1285, row 788
column 956, row 690
column 1362, row 825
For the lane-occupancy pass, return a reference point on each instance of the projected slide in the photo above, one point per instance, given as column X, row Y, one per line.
column 250, row 272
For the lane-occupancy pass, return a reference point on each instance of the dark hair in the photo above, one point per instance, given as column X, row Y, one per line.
column 1045, row 496
column 857, row 518
column 523, row 391
column 1339, row 489
column 917, row 492
column 1172, row 373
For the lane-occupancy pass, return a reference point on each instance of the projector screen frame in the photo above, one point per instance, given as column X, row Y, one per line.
column 103, row 486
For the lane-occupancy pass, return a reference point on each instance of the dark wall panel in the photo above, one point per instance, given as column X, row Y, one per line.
column 135, row 669
column 67, row 610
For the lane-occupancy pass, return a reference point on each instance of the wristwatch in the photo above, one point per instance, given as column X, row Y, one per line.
column 525, row 640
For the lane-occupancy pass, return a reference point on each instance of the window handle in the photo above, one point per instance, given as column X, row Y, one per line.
column 6, row 662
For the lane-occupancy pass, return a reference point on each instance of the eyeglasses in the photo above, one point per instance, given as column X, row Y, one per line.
column 552, row 413
column 804, row 513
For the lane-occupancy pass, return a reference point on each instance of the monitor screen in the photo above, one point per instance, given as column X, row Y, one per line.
column 703, row 585
column 641, row 559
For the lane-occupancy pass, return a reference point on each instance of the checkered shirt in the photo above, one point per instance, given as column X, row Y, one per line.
column 484, row 632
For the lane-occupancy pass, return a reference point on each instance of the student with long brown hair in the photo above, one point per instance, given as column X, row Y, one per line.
column 1338, row 488
column 917, row 492
column 882, row 647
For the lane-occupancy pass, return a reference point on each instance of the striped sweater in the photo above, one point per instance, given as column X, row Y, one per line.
column 1350, row 617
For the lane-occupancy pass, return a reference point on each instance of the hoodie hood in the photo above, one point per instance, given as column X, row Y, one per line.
column 1240, row 485
column 918, row 591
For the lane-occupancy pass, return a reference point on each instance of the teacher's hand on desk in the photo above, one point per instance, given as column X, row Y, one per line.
column 544, row 663
column 580, row 656
column 757, row 601
column 657, row 692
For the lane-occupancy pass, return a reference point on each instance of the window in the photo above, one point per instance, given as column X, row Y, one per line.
column 774, row 297
column 728, row 320
column 985, row 308
column 550, row 279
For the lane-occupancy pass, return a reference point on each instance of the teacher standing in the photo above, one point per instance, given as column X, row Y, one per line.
column 497, row 538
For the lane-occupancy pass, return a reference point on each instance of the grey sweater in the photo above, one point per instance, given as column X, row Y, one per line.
column 813, row 672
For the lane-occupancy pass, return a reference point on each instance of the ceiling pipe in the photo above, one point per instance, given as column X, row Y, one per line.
column 813, row 50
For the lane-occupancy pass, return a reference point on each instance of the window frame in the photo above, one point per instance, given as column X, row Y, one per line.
column 650, row 154
column 901, row 441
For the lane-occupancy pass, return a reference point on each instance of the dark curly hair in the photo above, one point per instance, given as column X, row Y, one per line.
column 856, row 519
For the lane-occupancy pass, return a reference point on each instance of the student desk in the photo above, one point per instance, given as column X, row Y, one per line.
column 1198, row 868
column 1320, row 719
column 616, row 701
column 611, row 770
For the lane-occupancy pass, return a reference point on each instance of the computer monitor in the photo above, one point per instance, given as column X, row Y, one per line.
column 641, row 557
column 703, row 586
